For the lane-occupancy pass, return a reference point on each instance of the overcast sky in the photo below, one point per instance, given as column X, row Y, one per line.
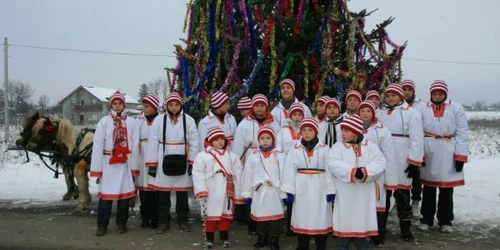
column 445, row 30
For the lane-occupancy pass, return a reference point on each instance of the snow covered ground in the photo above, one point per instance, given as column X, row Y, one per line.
column 488, row 115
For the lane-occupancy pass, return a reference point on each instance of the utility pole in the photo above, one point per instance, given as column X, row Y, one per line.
column 5, row 89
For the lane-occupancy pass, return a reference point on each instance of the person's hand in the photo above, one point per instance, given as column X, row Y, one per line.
column 290, row 198
column 359, row 174
column 248, row 201
column 330, row 197
column 459, row 166
column 190, row 169
column 152, row 172
column 412, row 171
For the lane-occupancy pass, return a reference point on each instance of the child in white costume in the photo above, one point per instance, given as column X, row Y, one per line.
column 321, row 109
column 355, row 164
column 329, row 129
column 352, row 101
column 290, row 134
column 177, row 141
column 148, row 197
column 115, row 156
column 261, row 186
column 216, row 173
column 380, row 136
column 217, row 117
column 446, row 151
column 309, row 187
column 405, row 125
column 281, row 112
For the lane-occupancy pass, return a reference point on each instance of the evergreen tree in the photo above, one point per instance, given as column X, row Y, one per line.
column 143, row 91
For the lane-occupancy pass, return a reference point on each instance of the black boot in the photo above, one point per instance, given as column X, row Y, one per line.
column 262, row 241
column 146, row 223
column 121, row 228
column 153, row 224
column 405, row 230
column 163, row 228
column 210, row 240
column 101, row 231
column 224, row 239
column 274, row 243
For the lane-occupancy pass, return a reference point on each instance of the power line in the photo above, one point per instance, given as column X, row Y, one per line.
column 90, row 51
column 87, row 65
column 164, row 55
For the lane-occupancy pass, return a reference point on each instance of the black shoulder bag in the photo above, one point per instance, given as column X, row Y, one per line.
column 174, row 165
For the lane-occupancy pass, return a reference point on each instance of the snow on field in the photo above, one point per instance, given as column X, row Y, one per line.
column 480, row 115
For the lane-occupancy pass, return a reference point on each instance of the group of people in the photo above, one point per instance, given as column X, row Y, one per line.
column 334, row 173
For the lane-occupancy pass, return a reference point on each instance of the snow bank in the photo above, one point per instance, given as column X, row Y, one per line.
column 487, row 115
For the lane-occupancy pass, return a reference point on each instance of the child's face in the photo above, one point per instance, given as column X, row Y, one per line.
column 174, row 107
column 297, row 117
column 308, row 133
column 438, row 96
column 366, row 115
column 348, row 135
column 320, row 109
column 266, row 140
column 286, row 91
column 148, row 109
column 259, row 109
column 408, row 92
column 332, row 111
column 117, row 106
column 219, row 142
column 392, row 99
column 375, row 101
column 352, row 103
column 245, row 112
column 224, row 108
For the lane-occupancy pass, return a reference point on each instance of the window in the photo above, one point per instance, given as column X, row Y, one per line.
column 82, row 103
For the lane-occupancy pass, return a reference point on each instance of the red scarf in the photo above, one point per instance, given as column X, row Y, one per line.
column 120, row 140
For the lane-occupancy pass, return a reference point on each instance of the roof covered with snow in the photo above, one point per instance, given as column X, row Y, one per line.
column 104, row 93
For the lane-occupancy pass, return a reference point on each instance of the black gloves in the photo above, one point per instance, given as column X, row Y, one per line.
column 459, row 166
column 359, row 174
column 412, row 171
column 190, row 169
column 152, row 171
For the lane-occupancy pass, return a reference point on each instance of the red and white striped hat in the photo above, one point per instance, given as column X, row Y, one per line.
column 310, row 123
column 353, row 123
column 354, row 93
column 218, row 99
column 214, row 133
column 266, row 130
column 395, row 89
column 439, row 85
column 408, row 84
column 333, row 101
column 173, row 97
column 117, row 96
column 153, row 100
column 296, row 107
column 244, row 103
column 323, row 99
column 372, row 93
column 367, row 104
column 289, row 82
column 259, row 98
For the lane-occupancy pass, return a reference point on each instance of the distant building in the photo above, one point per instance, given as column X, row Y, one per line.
column 86, row 105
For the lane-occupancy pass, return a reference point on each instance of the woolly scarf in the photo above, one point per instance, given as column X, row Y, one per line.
column 266, row 152
column 120, row 139
column 331, row 132
column 309, row 144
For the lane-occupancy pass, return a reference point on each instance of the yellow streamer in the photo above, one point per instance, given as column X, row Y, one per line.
column 274, row 62
column 186, row 17
column 306, row 77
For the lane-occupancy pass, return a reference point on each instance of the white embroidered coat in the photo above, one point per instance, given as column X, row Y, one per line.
column 355, row 212
column 142, row 181
column 174, row 144
column 281, row 115
column 382, row 138
column 210, row 179
column 405, row 125
column 115, row 180
column 287, row 138
column 262, row 179
column 309, row 180
column 228, row 126
column 441, row 153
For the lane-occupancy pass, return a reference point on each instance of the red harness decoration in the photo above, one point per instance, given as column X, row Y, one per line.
column 229, row 178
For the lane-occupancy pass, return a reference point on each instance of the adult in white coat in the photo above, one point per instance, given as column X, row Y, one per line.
column 309, row 187
column 356, row 164
column 115, row 155
column 446, row 151
column 168, row 130
column 281, row 112
column 405, row 125
column 217, row 117
column 148, row 196
column 380, row 136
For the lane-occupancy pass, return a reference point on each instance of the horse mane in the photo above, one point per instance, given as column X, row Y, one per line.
column 65, row 131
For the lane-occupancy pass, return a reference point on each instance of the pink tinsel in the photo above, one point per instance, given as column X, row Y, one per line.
column 298, row 21
column 245, row 20
column 234, row 64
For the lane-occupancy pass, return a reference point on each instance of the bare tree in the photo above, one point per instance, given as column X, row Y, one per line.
column 43, row 102
column 154, row 86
